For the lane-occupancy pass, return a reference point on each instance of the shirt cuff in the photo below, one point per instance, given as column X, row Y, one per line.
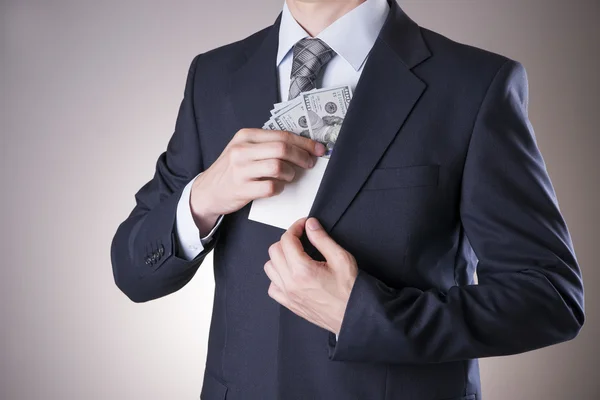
column 189, row 242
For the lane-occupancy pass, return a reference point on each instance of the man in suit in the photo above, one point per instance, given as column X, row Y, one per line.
column 435, row 174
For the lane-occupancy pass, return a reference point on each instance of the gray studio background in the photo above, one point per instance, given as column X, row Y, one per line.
column 90, row 91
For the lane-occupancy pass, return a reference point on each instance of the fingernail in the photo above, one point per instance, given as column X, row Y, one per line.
column 320, row 148
column 313, row 224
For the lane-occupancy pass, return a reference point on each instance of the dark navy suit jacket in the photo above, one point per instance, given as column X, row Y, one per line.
column 436, row 173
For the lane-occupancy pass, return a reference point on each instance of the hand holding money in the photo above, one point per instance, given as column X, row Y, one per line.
column 317, row 114
column 255, row 164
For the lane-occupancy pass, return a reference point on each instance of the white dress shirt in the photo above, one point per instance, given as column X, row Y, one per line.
column 351, row 37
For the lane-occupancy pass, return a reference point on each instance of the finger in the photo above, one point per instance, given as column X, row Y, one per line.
column 277, row 294
column 292, row 246
column 279, row 263
column 264, row 135
column 283, row 151
column 271, row 168
column 297, row 227
column 263, row 188
column 321, row 240
column 244, row 154
column 272, row 273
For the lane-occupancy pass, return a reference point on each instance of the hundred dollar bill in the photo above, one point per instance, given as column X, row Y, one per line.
column 271, row 125
column 280, row 107
column 277, row 108
column 293, row 119
column 325, row 110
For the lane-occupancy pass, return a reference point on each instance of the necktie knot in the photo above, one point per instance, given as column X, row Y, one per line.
column 309, row 56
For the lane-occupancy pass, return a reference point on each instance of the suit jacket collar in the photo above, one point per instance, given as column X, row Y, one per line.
column 403, row 35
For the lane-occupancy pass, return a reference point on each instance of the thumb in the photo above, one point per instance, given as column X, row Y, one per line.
column 321, row 240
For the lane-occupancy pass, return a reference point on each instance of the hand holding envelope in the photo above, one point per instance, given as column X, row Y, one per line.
column 255, row 164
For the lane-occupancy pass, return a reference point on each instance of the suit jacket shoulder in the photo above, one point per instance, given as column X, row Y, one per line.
column 465, row 63
column 225, row 59
column 451, row 50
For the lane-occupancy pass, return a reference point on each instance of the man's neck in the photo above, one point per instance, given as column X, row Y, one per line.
column 316, row 15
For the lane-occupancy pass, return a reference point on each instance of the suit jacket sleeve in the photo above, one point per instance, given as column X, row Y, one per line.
column 145, row 260
column 529, row 292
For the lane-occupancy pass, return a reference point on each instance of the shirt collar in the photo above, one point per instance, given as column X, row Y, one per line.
column 351, row 36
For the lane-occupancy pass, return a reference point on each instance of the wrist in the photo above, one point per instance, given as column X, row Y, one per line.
column 203, row 214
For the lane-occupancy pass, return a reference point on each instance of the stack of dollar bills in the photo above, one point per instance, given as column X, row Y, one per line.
column 316, row 114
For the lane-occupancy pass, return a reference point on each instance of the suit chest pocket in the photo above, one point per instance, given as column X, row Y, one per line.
column 402, row 177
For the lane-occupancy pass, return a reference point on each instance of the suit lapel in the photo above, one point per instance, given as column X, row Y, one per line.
column 384, row 97
column 253, row 87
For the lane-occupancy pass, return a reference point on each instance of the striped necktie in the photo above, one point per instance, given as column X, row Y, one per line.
column 310, row 55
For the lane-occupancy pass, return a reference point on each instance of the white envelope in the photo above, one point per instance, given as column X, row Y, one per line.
column 294, row 202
